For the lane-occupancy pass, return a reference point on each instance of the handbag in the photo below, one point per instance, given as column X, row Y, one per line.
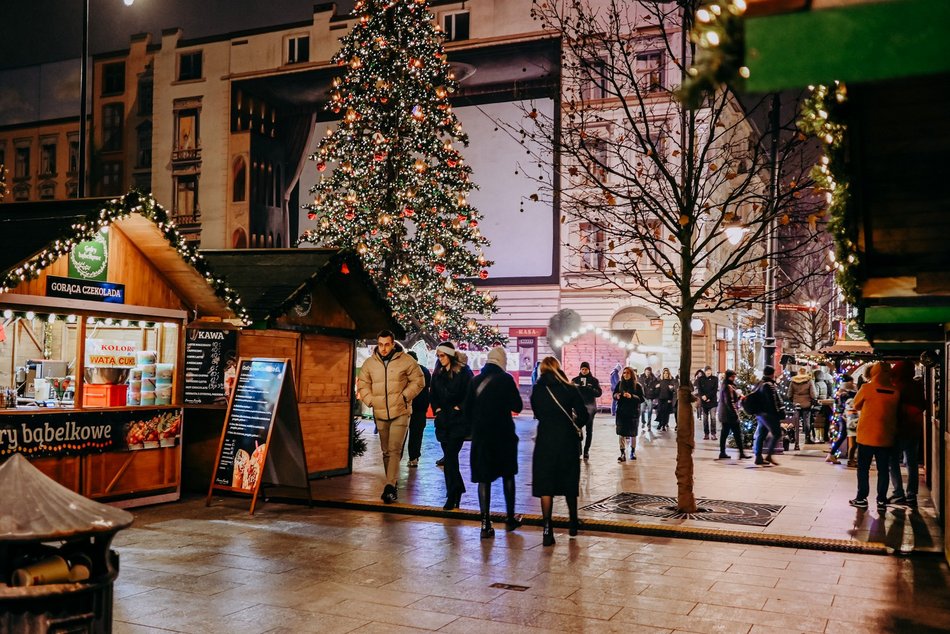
column 571, row 416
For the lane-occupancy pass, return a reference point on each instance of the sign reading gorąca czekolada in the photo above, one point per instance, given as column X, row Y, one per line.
column 68, row 288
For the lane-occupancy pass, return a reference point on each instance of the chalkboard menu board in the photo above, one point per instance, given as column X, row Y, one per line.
column 262, row 421
column 210, row 366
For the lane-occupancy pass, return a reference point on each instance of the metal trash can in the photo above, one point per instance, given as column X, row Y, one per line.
column 56, row 565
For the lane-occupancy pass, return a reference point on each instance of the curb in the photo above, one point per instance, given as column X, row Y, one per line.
column 631, row 528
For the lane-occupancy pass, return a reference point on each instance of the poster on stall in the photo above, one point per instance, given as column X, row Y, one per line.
column 210, row 366
column 262, row 441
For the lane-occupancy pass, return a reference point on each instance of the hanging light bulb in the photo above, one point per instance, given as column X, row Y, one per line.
column 30, row 315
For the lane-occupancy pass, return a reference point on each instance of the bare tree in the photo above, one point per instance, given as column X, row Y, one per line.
column 806, row 323
column 676, row 206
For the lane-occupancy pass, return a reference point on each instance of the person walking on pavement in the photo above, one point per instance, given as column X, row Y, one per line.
column 769, row 418
column 590, row 390
column 665, row 395
column 555, row 470
column 803, row 394
column 877, row 404
column 417, row 419
column 708, row 389
column 629, row 396
column 492, row 397
column 389, row 381
column 648, row 381
column 728, row 414
column 614, row 380
column 450, row 381
column 910, row 417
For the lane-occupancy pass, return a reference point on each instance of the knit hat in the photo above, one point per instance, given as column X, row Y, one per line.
column 446, row 348
column 498, row 357
column 584, row 364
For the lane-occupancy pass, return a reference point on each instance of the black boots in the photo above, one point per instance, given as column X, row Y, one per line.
column 547, row 537
column 452, row 502
column 389, row 494
column 513, row 522
column 487, row 530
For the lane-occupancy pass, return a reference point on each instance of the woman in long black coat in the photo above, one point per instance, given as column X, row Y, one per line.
column 449, row 387
column 629, row 397
column 492, row 397
column 666, row 396
column 555, row 466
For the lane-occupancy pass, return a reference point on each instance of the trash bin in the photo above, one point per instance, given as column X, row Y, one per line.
column 56, row 565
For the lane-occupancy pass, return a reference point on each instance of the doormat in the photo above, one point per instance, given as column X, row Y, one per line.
column 720, row 511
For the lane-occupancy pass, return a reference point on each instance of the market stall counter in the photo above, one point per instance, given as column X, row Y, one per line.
column 95, row 295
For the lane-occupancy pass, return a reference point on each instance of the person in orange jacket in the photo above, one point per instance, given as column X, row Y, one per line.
column 877, row 403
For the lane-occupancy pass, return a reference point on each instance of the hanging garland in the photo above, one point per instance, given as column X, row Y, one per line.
column 822, row 116
column 719, row 37
column 114, row 210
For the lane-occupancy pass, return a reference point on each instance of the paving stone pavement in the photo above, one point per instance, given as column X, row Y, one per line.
column 814, row 493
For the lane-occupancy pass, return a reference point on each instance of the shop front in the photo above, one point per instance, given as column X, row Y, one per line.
column 96, row 294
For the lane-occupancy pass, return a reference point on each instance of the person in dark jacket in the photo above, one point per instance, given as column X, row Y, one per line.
column 629, row 396
column 648, row 381
column 770, row 419
column 492, row 397
column 449, row 388
column 665, row 395
column 590, row 390
column 728, row 414
column 708, row 392
column 910, row 427
column 555, row 470
column 417, row 420
column 614, row 380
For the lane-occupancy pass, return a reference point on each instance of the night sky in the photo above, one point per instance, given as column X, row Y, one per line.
column 41, row 31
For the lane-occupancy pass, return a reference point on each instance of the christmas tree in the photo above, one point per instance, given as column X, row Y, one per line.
column 397, row 193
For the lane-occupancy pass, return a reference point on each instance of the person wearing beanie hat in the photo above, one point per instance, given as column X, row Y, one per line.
column 770, row 419
column 590, row 390
column 450, row 381
column 491, row 399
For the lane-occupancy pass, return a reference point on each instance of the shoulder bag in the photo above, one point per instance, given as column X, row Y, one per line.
column 570, row 417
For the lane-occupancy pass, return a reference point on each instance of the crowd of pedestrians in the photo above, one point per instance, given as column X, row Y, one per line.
column 881, row 422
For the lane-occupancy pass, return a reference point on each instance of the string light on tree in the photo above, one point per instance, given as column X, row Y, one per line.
column 399, row 196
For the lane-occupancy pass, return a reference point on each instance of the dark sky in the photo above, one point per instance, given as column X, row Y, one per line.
column 40, row 31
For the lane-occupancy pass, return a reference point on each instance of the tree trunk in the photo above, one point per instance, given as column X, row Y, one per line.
column 685, row 436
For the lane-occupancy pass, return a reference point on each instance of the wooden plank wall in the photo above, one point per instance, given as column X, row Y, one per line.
column 326, row 389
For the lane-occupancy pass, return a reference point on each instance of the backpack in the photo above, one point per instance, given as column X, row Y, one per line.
column 754, row 402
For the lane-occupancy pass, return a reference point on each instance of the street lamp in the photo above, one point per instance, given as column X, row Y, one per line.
column 83, row 90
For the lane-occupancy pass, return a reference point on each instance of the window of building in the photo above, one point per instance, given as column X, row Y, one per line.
column 48, row 158
column 21, row 168
column 455, row 26
column 143, row 145
column 73, row 154
column 186, row 198
column 113, row 78
column 47, row 191
column 21, row 192
column 594, row 76
column 111, row 178
column 591, row 247
column 239, row 180
column 597, row 153
column 189, row 66
column 650, row 75
column 144, row 96
column 112, row 127
column 187, row 135
column 298, row 49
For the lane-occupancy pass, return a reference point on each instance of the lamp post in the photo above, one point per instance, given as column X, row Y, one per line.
column 769, row 347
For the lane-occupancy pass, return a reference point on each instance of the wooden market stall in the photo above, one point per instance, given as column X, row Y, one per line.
column 95, row 295
column 310, row 306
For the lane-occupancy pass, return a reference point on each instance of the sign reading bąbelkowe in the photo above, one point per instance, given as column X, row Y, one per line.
column 89, row 260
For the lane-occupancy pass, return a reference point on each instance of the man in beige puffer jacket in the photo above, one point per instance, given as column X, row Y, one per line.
column 388, row 382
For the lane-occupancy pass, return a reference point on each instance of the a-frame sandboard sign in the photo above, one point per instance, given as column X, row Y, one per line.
column 262, row 442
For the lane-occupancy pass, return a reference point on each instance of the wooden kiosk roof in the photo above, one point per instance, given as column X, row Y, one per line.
column 269, row 281
column 34, row 234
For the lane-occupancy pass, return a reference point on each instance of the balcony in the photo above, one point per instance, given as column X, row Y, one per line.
column 186, row 155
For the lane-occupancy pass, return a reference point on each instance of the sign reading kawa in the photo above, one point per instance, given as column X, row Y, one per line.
column 210, row 365
column 89, row 290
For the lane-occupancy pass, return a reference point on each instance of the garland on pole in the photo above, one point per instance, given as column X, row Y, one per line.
column 113, row 211
column 719, row 37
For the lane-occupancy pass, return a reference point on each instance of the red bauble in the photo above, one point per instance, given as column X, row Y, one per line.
column 440, row 268
column 451, row 162
column 473, row 224
column 483, row 274
column 322, row 166
column 379, row 156
column 349, row 215
column 444, row 335
column 311, row 215
column 409, row 212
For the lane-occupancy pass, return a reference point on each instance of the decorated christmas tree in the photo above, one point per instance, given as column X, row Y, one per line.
column 394, row 186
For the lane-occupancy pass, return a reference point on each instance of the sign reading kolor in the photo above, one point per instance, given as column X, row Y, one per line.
column 89, row 290
column 210, row 365
column 77, row 433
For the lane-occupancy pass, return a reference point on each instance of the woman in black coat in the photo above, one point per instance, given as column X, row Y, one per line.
column 728, row 414
column 629, row 397
column 555, row 468
column 450, row 381
column 665, row 395
column 492, row 397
